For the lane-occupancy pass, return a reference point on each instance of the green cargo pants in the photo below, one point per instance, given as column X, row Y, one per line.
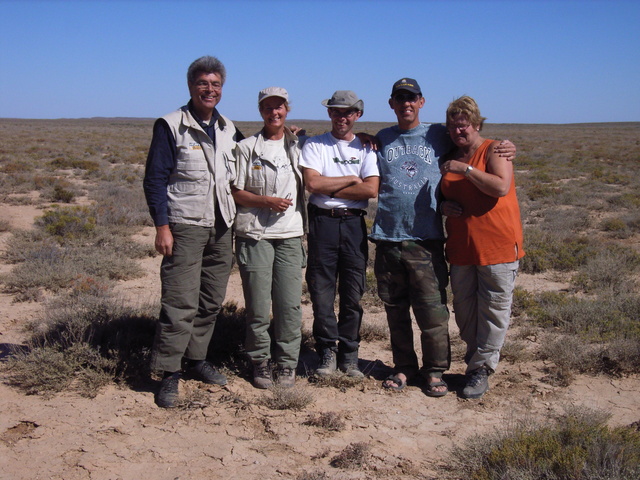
column 194, row 284
column 271, row 272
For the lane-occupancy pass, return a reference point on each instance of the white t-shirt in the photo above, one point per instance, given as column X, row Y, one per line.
column 331, row 157
column 288, row 222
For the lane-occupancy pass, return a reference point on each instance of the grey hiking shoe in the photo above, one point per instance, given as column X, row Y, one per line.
column 262, row 375
column 328, row 363
column 207, row 373
column 351, row 370
column 286, row 376
column 167, row 396
column 477, row 383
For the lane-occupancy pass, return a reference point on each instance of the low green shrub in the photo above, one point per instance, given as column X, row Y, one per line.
column 69, row 162
column 542, row 192
column 613, row 225
column 117, row 205
column 627, row 200
column 577, row 445
column 609, row 271
column 54, row 267
column 61, row 194
column 548, row 251
column 13, row 167
column 600, row 334
column 594, row 319
column 84, row 342
column 607, row 176
column 68, row 223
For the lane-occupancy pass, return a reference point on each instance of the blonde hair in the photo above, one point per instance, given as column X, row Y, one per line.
column 468, row 107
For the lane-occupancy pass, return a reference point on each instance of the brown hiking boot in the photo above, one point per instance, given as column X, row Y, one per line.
column 262, row 375
column 286, row 377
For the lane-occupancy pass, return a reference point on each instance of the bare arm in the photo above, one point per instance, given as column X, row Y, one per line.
column 252, row 200
column 317, row 183
column 360, row 191
column 495, row 182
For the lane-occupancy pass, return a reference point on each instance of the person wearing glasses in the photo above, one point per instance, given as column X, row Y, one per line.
column 342, row 175
column 187, row 187
column 484, row 240
column 270, row 224
column 410, row 264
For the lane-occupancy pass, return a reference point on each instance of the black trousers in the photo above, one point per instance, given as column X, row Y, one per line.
column 337, row 262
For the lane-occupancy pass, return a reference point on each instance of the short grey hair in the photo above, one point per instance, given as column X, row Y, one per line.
column 206, row 64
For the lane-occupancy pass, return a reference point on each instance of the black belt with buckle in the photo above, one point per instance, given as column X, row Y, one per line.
column 337, row 212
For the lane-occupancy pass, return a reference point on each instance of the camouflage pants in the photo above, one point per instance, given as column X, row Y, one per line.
column 413, row 275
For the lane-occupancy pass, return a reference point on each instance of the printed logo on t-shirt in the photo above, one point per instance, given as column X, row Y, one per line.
column 411, row 168
column 195, row 146
column 349, row 161
column 421, row 151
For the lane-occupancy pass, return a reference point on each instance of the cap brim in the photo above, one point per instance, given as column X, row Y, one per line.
column 273, row 95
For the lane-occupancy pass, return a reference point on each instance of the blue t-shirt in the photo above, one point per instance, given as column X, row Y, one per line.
column 409, row 163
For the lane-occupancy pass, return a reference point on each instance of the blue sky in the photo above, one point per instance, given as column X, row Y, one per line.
column 523, row 61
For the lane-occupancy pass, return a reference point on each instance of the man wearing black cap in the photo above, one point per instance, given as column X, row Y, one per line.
column 410, row 264
column 341, row 175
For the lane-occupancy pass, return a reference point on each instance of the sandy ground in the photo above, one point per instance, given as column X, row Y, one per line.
column 121, row 434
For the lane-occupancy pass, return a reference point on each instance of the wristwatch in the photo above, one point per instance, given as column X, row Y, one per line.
column 468, row 170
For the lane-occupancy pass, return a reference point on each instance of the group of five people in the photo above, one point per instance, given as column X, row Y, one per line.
column 202, row 176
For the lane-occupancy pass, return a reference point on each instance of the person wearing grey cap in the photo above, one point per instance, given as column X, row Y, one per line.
column 410, row 264
column 270, row 224
column 341, row 175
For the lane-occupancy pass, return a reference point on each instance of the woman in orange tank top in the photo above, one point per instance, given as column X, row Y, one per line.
column 484, row 240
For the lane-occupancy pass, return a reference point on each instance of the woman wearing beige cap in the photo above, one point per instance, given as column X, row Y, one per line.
column 270, row 224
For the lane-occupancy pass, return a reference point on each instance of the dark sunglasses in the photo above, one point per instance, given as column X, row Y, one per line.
column 406, row 97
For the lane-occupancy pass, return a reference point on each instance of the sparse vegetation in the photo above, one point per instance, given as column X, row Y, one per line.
column 314, row 475
column 89, row 338
column 281, row 398
column 574, row 446
column 580, row 212
column 373, row 330
column 68, row 223
column 354, row 456
column 84, row 342
column 330, row 421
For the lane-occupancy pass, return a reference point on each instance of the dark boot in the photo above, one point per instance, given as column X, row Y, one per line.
column 328, row 363
column 205, row 372
column 167, row 396
column 348, row 363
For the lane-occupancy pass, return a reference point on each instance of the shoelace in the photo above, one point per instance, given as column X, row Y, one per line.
column 476, row 378
column 327, row 359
